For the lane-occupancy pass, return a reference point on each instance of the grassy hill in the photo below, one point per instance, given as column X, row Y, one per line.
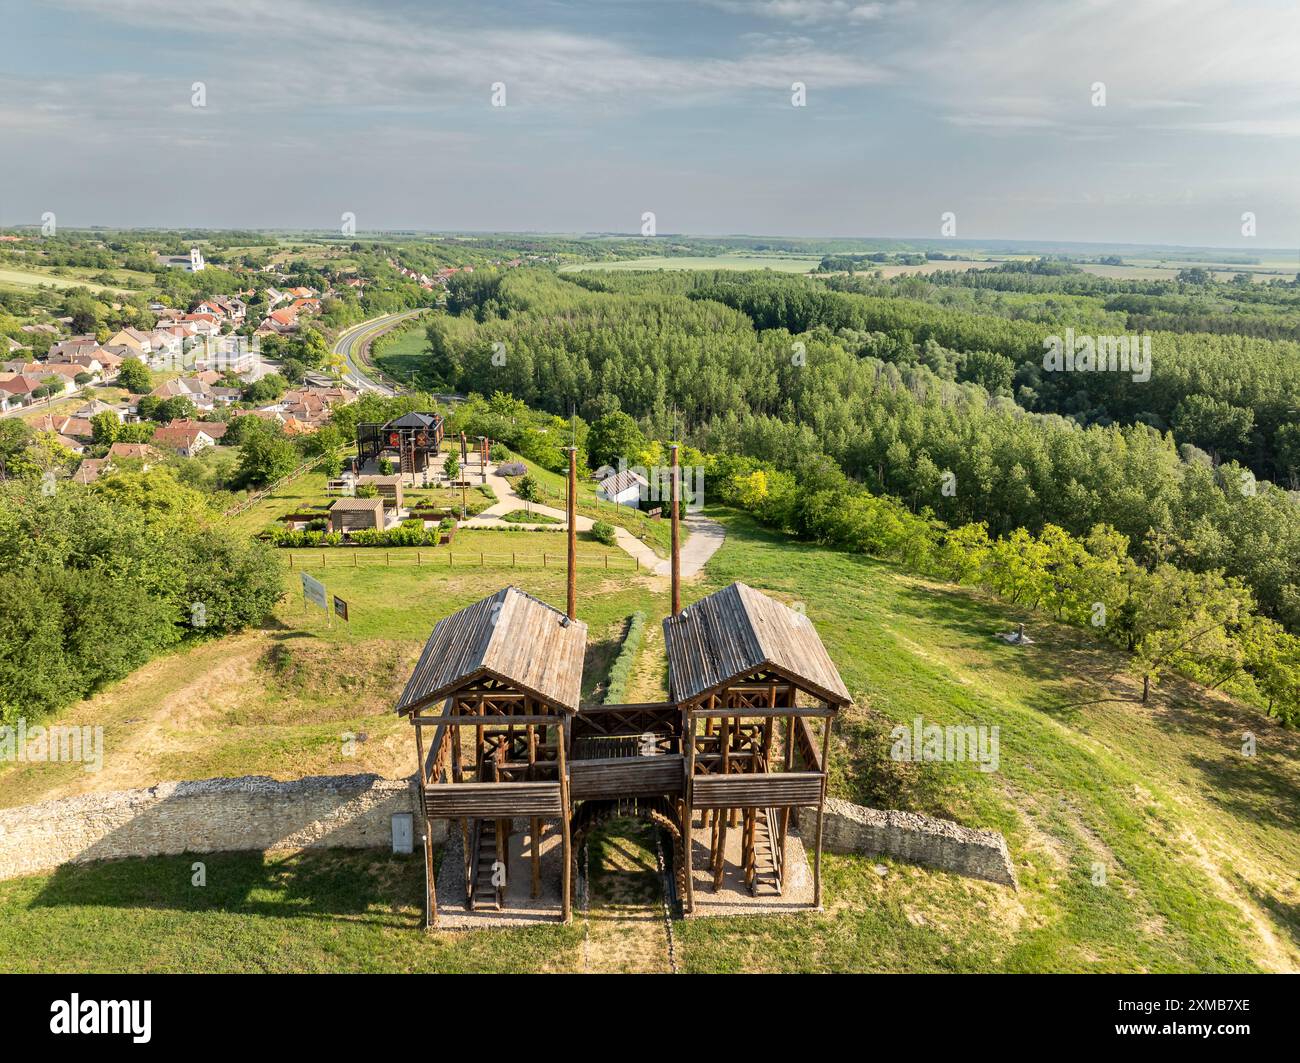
column 1198, row 843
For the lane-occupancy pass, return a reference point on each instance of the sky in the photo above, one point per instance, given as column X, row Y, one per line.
column 912, row 108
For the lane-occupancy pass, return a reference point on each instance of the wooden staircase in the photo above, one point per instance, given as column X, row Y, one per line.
column 483, row 847
column 763, row 865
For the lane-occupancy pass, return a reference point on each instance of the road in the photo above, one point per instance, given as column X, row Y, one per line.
column 352, row 345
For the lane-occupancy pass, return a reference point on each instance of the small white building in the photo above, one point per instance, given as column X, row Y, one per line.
column 625, row 488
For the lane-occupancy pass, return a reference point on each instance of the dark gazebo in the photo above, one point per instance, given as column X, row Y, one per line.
column 412, row 439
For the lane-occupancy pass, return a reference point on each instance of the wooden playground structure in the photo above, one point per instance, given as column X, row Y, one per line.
column 502, row 740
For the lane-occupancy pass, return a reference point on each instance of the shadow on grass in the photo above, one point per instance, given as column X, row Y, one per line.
column 365, row 885
column 1251, row 788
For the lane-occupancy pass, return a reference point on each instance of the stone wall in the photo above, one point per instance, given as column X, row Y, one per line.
column 937, row 843
column 212, row 815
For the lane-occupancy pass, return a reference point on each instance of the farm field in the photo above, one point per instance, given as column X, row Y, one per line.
column 1199, row 843
column 781, row 263
column 126, row 280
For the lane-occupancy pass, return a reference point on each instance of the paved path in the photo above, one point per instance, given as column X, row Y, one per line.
column 703, row 536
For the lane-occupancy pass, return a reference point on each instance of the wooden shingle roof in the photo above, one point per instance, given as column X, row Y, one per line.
column 737, row 631
column 510, row 636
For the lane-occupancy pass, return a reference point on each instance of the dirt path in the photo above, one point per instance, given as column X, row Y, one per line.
column 705, row 538
column 625, row 928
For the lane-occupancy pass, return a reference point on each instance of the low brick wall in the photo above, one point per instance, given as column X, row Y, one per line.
column 937, row 843
column 211, row 815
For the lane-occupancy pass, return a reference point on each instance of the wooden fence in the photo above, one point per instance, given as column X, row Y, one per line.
column 270, row 489
column 363, row 556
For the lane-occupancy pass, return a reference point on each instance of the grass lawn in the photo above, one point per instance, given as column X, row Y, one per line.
column 303, row 495
column 310, row 912
column 522, row 516
column 404, row 356
column 1198, row 844
column 656, row 534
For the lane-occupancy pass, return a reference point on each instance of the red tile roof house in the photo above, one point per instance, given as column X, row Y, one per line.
column 19, row 388
column 68, row 443
column 44, row 371
column 213, row 429
column 76, row 427
column 90, row 470
column 204, row 324
column 185, row 441
column 133, row 452
column 278, row 321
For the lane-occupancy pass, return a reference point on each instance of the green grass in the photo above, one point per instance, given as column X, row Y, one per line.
column 1199, row 843
column 781, row 263
column 124, row 280
column 404, row 355
column 522, row 516
column 656, row 534
column 310, row 912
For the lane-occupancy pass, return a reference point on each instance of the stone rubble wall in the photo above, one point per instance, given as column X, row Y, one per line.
column 916, row 839
column 212, row 815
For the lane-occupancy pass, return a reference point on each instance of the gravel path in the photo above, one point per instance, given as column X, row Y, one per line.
column 704, row 536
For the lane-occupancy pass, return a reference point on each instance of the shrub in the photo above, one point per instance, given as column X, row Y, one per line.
column 621, row 670
column 603, row 532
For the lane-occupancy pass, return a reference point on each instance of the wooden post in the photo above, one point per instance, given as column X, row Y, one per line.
column 722, row 815
column 789, row 766
column 457, row 774
column 821, row 815
column 566, row 853
column 688, row 812
column 502, row 863
column 430, row 888
column 535, row 827
column 572, row 511
column 677, row 561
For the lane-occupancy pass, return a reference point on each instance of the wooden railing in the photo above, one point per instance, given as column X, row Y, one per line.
column 656, row 717
column 627, row 777
column 806, row 754
column 757, row 790
column 495, row 800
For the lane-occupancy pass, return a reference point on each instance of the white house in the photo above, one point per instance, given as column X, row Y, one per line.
column 623, row 487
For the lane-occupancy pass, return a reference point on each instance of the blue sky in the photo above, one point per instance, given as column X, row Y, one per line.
column 384, row 109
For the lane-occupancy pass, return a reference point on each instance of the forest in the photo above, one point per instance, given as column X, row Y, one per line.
column 945, row 410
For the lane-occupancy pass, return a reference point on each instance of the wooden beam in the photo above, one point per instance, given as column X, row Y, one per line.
column 430, row 888
column 566, row 853
column 821, row 815
column 676, row 537
column 688, row 812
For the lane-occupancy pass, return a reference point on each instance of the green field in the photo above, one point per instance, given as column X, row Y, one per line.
column 404, row 356
column 781, row 263
column 1199, row 844
column 125, row 280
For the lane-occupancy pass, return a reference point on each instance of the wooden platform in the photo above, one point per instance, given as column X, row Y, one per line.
column 733, row 897
column 521, row 909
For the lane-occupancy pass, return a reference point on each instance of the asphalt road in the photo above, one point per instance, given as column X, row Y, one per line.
column 351, row 343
